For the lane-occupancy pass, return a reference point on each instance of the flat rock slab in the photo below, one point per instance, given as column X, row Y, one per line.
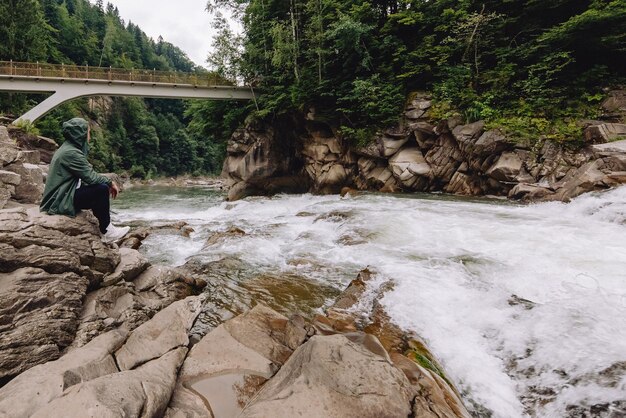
column 243, row 352
column 610, row 148
column 333, row 376
column 166, row 331
column 143, row 392
column 35, row 388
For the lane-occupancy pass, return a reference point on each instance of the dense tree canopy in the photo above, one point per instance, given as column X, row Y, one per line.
column 143, row 137
column 504, row 61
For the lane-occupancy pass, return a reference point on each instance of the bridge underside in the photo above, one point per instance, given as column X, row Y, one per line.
column 67, row 89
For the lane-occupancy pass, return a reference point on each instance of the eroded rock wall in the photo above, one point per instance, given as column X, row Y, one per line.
column 426, row 155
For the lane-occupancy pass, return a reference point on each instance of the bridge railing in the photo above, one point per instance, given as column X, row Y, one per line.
column 86, row 72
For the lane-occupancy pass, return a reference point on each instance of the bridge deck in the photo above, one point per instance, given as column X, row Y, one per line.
column 62, row 71
column 70, row 81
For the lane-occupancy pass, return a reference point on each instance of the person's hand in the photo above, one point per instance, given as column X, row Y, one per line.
column 114, row 189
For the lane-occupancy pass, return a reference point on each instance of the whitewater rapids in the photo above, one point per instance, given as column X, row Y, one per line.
column 525, row 305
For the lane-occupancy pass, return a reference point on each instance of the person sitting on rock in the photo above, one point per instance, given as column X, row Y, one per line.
column 73, row 185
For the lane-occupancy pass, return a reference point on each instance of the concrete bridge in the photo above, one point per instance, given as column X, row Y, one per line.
column 68, row 82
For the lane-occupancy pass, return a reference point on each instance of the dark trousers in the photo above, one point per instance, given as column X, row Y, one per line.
column 96, row 198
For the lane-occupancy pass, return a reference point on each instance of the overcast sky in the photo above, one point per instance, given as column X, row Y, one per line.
column 184, row 23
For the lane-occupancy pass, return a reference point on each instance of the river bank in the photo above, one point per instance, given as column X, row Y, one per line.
column 510, row 299
column 97, row 328
column 300, row 153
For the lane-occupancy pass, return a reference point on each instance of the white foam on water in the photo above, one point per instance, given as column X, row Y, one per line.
column 456, row 265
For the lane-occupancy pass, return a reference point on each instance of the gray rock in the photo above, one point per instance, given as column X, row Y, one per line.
column 434, row 397
column 410, row 168
column 35, row 388
column 144, row 392
column 166, row 331
column 392, row 145
column 252, row 345
column 606, row 132
column 9, row 177
column 5, row 194
column 30, row 156
column 31, row 186
column 529, row 192
column 333, row 376
column 489, row 143
column 130, row 304
column 4, row 134
column 467, row 135
column 615, row 104
column 465, row 184
column 9, row 151
column 444, row 158
column 507, row 168
column 587, row 178
column 414, row 114
column 30, row 232
column 132, row 264
column 40, row 312
column 617, row 147
column 45, row 146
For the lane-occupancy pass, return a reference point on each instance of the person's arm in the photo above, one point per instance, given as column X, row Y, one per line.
column 78, row 165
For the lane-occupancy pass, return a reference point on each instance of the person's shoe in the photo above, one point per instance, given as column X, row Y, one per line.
column 115, row 233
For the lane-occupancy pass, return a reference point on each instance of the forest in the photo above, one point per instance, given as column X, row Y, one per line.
column 142, row 137
column 532, row 68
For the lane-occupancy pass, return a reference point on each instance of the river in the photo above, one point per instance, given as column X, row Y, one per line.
column 525, row 305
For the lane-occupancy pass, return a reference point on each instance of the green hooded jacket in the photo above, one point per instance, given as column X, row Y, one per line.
column 68, row 165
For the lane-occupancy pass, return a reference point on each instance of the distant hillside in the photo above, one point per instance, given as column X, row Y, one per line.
column 143, row 137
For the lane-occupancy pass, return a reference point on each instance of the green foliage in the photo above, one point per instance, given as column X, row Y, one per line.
column 27, row 126
column 143, row 137
column 524, row 66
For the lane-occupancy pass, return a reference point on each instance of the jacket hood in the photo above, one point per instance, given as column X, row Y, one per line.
column 75, row 131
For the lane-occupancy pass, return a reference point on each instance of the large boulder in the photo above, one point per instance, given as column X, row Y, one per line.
column 40, row 312
column 45, row 146
column 587, row 178
column 334, row 376
column 605, row 132
column 166, row 331
column 410, row 168
column 444, row 158
column 132, row 264
column 256, row 154
column 143, row 392
column 130, row 304
column 9, row 151
column 614, row 106
column 35, row 388
column 47, row 264
column 327, row 161
column 376, row 175
column 226, row 368
column 55, row 243
column 507, row 168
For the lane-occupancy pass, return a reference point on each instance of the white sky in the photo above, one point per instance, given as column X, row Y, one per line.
column 184, row 23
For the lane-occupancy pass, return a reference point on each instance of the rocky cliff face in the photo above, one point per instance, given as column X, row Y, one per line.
column 426, row 155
